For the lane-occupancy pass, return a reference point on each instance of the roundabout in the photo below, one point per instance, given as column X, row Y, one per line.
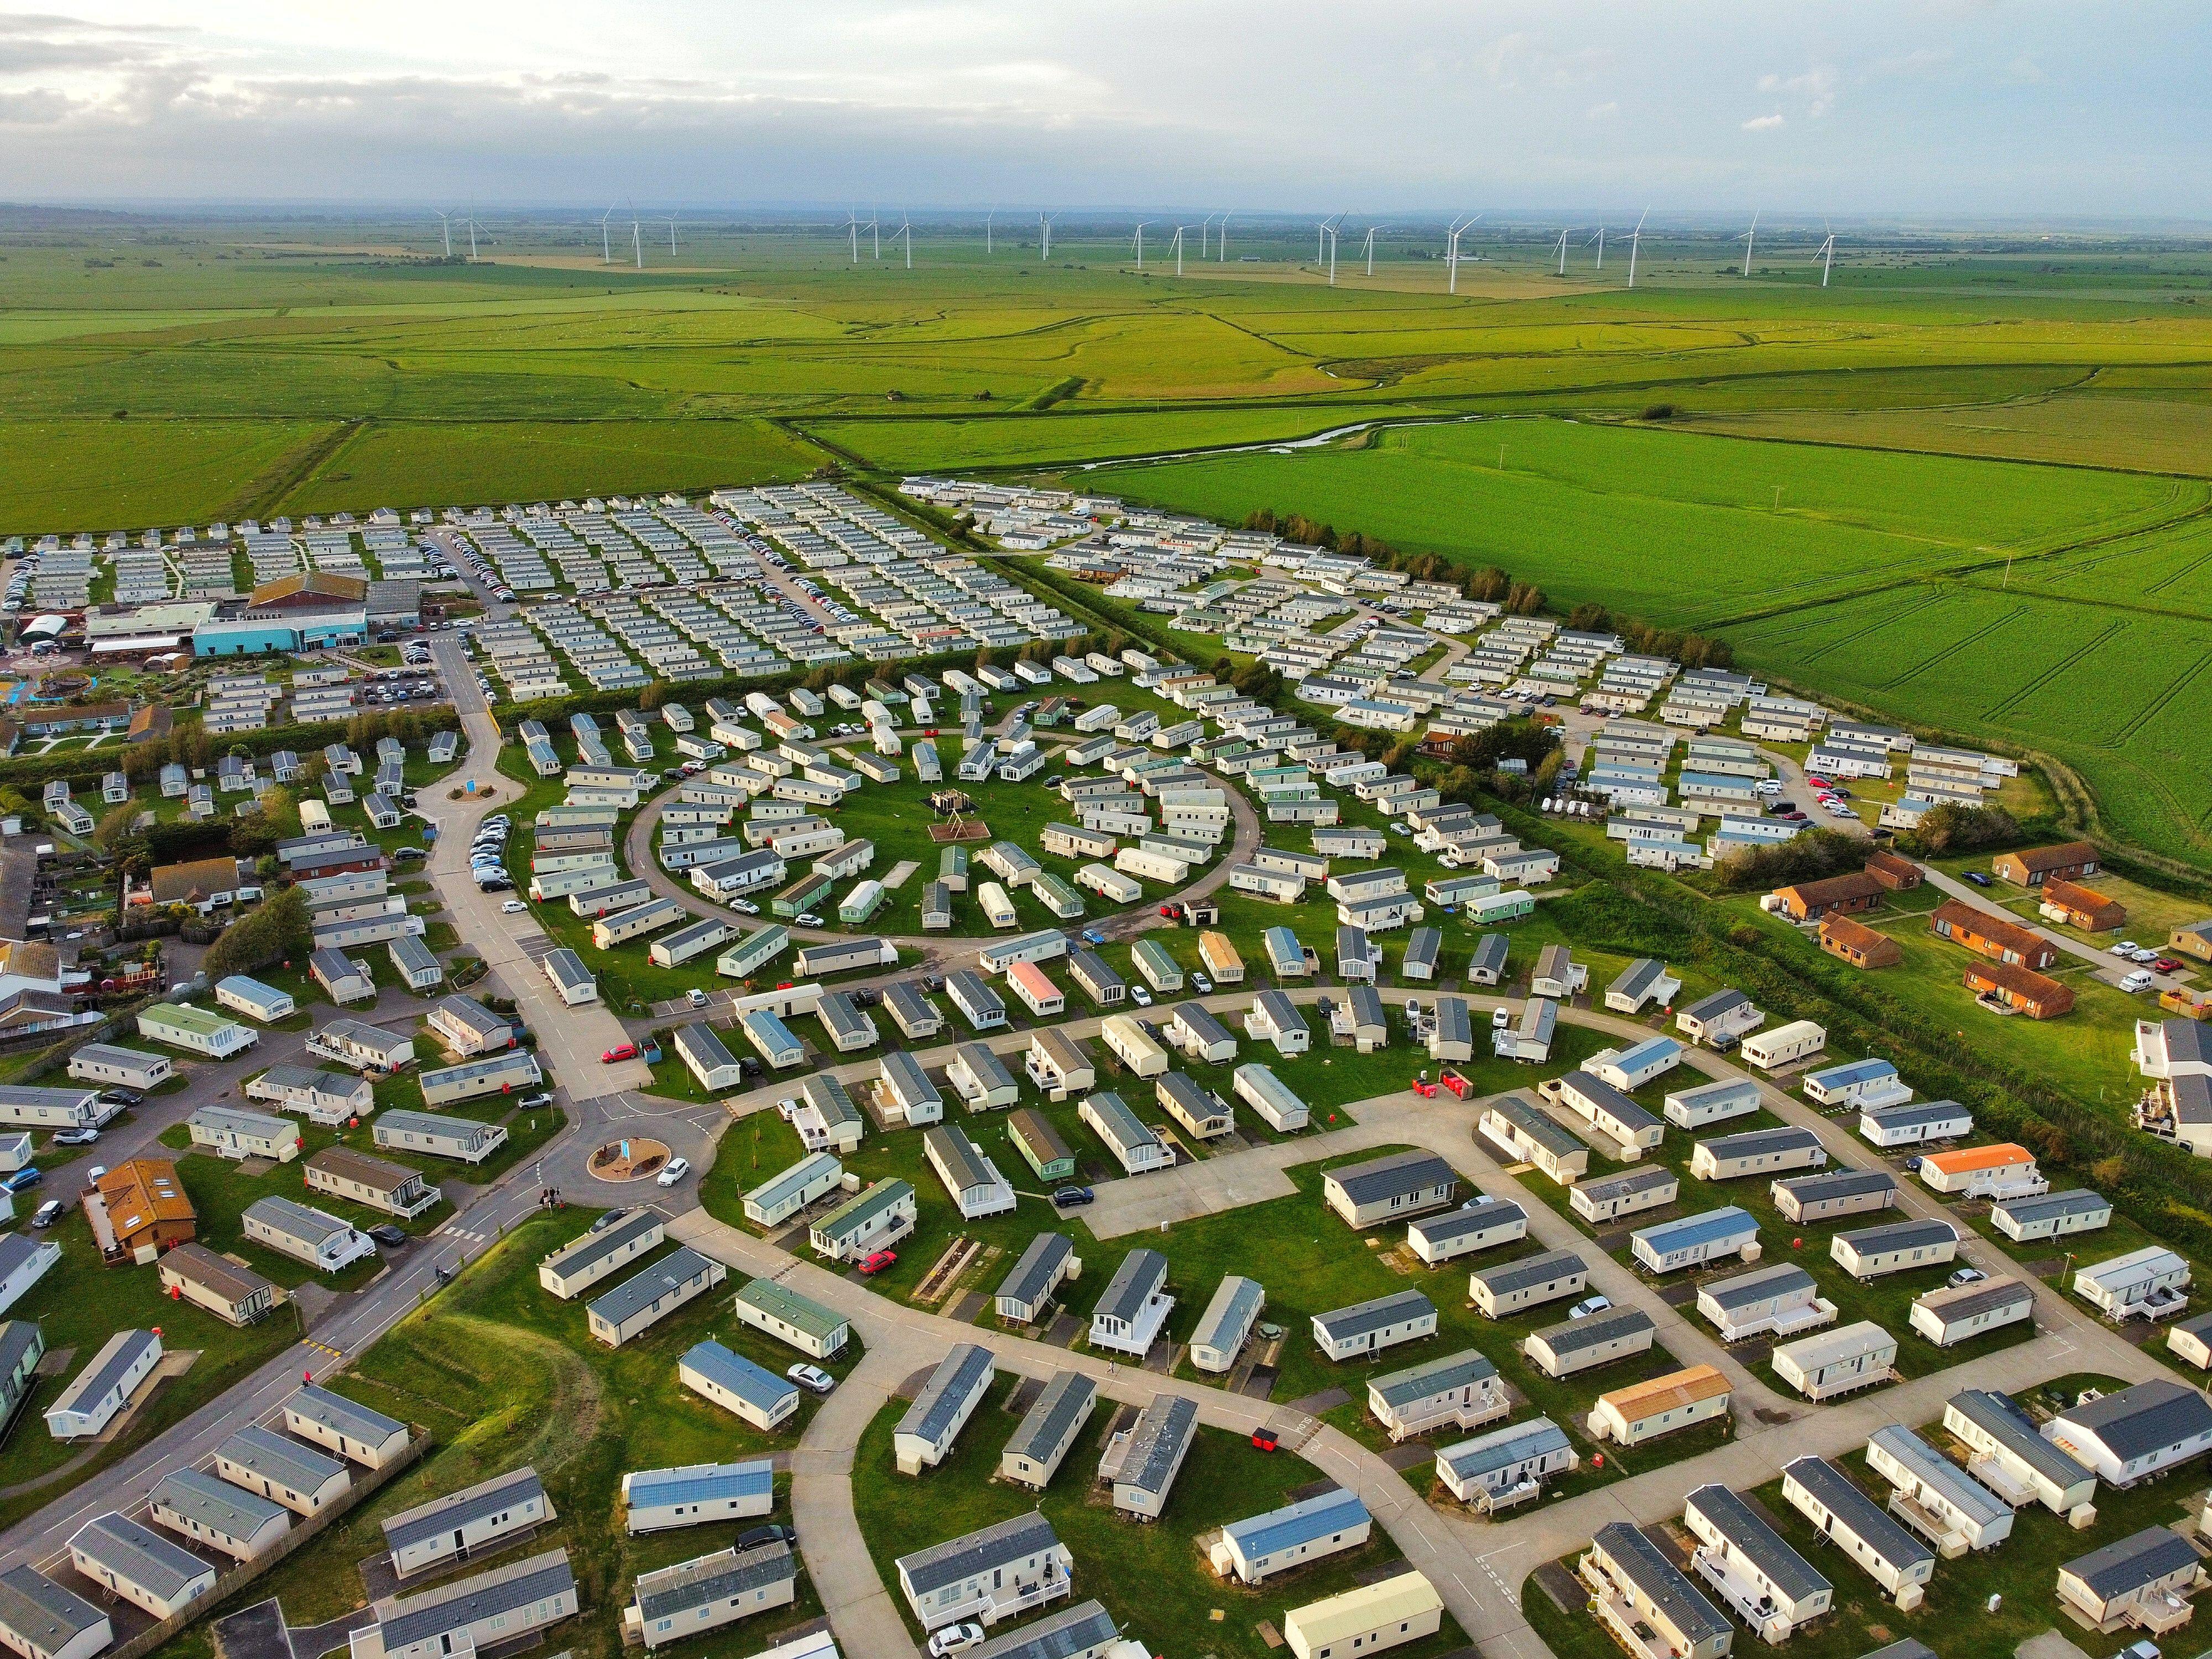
column 633, row 1159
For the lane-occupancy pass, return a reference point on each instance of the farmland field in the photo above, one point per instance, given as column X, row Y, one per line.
column 1836, row 479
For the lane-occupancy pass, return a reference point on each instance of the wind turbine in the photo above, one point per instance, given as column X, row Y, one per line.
column 1600, row 239
column 1206, row 237
column 637, row 240
column 905, row 233
column 1178, row 247
column 1371, row 229
column 853, row 231
column 1563, row 253
column 1458, row 227
column 987, row 217
column 1044, row 235
column 1749, row 237
column 472, row 239
column 1635, row 241
column 1327, row 228
column 671, row 234
column 1221, row 241
column 606, row 247
column 446, row 229
column 1141, row 223
column 1826, row 254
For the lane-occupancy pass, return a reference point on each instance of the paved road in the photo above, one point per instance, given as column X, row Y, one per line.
column 2108, row 967
column 1477, row 1566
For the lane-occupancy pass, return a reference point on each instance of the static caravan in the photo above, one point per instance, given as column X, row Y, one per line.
column 1935, row 1496
column 1398, row 1185
column 753, row 1393
column 1028, row 1290
column 1134, row 1146
column 1785, row 1045
column 1843, row 1514
column 1783, row 1300
column 867, row 1222
column 1367, row 1328
column 1516, row 1286
column 1200, row 1036
column 1508, row 1466
column 1045, row 1435
column 1711, row 1103
column 1758, row 1152
column 1837, row 1193
column 1137, row 1053
column 1598, row 1339
column 1203, row 1114
column 2151, row 1283
column 2011, row 1457
column 650, row 1295
column 1520, row 1130
column 1837, row 1362
column 1916, row 1124
column 1058, row 1064
column 1227, row 1321
column 1482, row 1224
column 1895, row 1247
column 1867, row 1084
column 1614, row 1198
column 1462, row 1390
column 1663, row 1405
column 1608, row 1111
column 979, row 1078
column 1267, row 1095
column 1952, row 1314
column 2049, row 1215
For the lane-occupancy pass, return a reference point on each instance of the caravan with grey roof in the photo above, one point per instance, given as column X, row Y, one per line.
column 933, row 1424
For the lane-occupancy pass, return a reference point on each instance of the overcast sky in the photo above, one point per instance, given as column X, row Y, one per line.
column 1927, row 107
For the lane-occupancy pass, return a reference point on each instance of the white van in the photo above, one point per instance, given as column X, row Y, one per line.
column 2138, row 981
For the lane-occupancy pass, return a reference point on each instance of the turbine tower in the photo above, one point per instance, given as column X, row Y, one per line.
column 906, row 234
column 1749, row 237
column 1178, row 247
column 1563, row 253
column 1371, row 229
column 1826, row 256
column 607, row 246
column 1044, row 233
column 671, row 235
column 472, row 239
column 1635, row 241
column 446, row 229
column 1329, row 227
column 987, row 217
column 1221, row 240
column 875, row 234
column 1141, row 223
column 1458, row 227
column 852, row 230
column 637, row 240
column 1600, row 239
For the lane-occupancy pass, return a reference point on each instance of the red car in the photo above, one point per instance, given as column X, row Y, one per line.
column 1816, row 781
column 878, row 1261
column 620, row 1051
column 2166, row 965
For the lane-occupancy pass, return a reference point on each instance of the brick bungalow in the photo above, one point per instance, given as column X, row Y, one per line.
column 1858, row 944
column 2069, row 861
column 1840, row 896
column 2022, row 990
column 1893, row 871
column 2085, row 907
column 1993, row 936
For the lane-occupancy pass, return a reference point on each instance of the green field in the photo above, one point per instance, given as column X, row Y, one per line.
column 1893, row 439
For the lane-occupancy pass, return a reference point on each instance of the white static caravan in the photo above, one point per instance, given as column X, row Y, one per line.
column 1758, row 1151
column 1895, row 1247
column 1138, row 1053
column 1483, row 1224
column 1462, row 1390
column 1785, row 1045
column 1837, row 1362
column 1367, row 1328
column 1952, row 1314
column 1711, row 1103
column 1222, row 1329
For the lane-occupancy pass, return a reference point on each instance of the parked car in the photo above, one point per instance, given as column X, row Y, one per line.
column 608, row 1221
column 810, row 919
column 953, row 1639
column 1967, row 1276
column 1976, row 877
column 386, row 1234
column 753, row 1537
column 1500, row 1018
column 48, row 1213
column 532, row 1102
column 745, row 907
column 1092, row 936
column 2138, row 981
column 812, row 1377
column 24, row 1179
column 1200, row 984
column 1589, row 1305
column 619, row 1052
column 83, row 1137
column 1068, row 1198
column 677, row 1170
column 876, row 1263
column 2166, row 966
column 1140, row 996
column 512, row 908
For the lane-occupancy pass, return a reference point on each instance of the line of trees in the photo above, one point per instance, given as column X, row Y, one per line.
column 1493, row 585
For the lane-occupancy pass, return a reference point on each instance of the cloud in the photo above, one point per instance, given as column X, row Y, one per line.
column 1817, row 87
column 1604, row 111
column 1763, row 122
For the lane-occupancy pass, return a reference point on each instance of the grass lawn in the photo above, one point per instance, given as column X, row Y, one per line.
column 1955, row 1621
column 2085, row 1052
column 502, row 1374
column 1151, row 1577
column 79, row 1304
column 1887, row 1301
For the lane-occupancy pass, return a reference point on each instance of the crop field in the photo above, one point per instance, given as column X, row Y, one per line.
column 1897, row 438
